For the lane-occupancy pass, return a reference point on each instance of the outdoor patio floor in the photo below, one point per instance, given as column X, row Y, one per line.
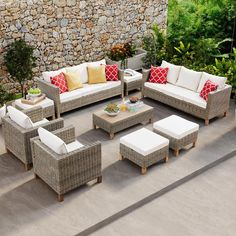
column 29, row 207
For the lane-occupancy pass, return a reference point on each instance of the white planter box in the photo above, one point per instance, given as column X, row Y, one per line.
column 135, row 62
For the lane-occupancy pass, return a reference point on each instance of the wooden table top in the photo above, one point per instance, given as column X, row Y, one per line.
column 122, row 115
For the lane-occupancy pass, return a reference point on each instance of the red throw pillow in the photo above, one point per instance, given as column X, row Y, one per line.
column 158, row 75
column 60, row 82
column 207, row 88
column 111, row 72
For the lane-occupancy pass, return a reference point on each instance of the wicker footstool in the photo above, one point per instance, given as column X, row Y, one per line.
column 144, row 148
column 179, row 131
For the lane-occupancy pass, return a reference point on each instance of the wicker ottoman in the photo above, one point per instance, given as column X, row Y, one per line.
column 179, row 131
column 144, row 148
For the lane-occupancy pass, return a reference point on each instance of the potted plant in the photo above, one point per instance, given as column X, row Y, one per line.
column 126, row 56
column 20, row 62
column 112, row 109
column 4, row 97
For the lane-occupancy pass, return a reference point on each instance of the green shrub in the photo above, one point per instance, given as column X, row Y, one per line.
column 20, row 61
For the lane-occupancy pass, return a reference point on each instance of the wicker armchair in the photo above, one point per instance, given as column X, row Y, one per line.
column 217, row 104
column 67, row 171
column 17, row 139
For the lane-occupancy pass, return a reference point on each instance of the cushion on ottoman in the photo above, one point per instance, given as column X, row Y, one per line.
column 176, row 126
column 144, row 141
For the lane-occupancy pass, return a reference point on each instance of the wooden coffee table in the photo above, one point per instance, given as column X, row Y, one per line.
column 123, row 120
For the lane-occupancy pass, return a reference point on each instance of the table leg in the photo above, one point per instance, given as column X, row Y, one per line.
column 112, row 135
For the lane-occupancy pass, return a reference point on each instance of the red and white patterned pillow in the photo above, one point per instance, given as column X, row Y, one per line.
column 158, row 75
column 207, row 88
column 60, row 82
column 111, row 72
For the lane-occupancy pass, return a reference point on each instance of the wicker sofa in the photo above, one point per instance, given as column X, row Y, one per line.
column 17, row 138
column 89, row 94
column 68, row 171
column 177, row 96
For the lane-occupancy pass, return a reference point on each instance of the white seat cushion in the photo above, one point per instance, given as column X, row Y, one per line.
column 41, row 122
column 74, row 146
column 52, row 141
column 144, row 141
column 168, row 89
column 48, row 74
column 179, row 93
column 81, row 69
column 193, row 97
column 189, row 79
column 44, row 103
column 87, row 90
column 176, row 126
column 220, row 81
column 19, row 117
column 173, row 71
column 135, row 77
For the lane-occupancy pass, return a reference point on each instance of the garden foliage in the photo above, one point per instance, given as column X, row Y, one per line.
column 200, row 35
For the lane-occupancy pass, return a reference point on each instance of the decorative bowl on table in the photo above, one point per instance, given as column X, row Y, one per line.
column 112, row 109
column 133, row 99
column 133, row 104
column 34, row 92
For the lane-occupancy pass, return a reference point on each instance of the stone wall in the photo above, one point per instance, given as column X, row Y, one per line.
column 68, row 32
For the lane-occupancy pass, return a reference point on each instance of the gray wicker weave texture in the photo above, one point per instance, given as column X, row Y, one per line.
column 177, row 144
column 47, row 111
column 217, row 104
column 129, row 86
column 123, row 120
column 144, row 161
column 53, row 93
column 17, row 139
column 68, row 171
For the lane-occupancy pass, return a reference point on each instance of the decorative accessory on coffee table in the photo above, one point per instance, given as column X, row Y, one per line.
column 112, row 109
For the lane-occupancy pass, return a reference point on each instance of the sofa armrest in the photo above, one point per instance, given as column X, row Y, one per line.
column 218, row 101
column 121, row 75
column 51, row 92
column 146, row 74
column 35, row 113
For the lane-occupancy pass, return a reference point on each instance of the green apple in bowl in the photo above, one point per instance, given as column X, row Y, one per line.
column 34, row 92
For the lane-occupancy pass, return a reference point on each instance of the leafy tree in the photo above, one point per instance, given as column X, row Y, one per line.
column 4, row 96
column 20, row 61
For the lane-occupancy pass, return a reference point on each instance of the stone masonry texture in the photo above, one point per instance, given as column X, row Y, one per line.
column 69, row 32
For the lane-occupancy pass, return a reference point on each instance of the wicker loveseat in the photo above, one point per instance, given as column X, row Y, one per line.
column 175, row 93
column 64, row 172
column 89, row 94
column 17, row 138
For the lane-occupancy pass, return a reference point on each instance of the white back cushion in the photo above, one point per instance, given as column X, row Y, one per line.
column 81, row 69
column 52, row 141
column 48, row 74
column 213, row 78
column 2, row 111
column 97, row 63
column 19, row 117
column 173, row 71
column 189, row 79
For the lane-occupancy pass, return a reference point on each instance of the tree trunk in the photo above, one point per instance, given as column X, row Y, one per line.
column 22, row 89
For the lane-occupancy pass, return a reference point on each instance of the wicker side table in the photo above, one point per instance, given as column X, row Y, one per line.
column 144, row 148
column 132, row 82
column 179, row 131
column 47, row 105
column 123, row 120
